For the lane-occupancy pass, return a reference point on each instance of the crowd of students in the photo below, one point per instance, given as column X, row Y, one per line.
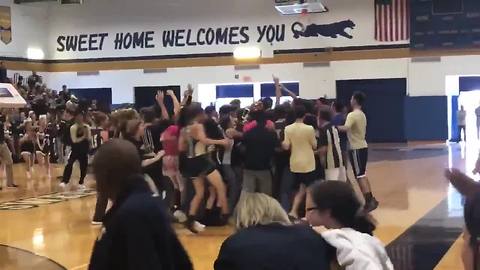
column 263, row 160
column 277, row 150
column 250, row 160
column 137, row 232
column 38, row 133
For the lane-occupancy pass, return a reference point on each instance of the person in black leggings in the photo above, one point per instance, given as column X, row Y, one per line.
column 81, row 137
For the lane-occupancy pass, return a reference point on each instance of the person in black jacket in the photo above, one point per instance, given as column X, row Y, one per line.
column 136, row 233
column 265, row 240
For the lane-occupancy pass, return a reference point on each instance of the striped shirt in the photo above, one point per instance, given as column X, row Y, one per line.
column 329, row 137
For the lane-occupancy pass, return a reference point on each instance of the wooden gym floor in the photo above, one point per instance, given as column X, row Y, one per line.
column 420, row 216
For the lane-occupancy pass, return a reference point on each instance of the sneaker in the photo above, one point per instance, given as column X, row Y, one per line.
column 82, row 187
column 199, row 226
column 62, row 185
column 12, row 186
column 190, row 225
column 96, row 223
column 29, row 175
column 371, row 205
column 180, row 216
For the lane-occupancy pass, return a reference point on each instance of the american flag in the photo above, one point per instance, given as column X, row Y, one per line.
column 392, row 20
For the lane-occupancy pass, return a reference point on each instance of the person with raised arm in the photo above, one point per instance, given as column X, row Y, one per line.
column 279, row 87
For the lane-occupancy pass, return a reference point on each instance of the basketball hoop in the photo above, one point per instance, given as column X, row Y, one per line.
column 304, row 18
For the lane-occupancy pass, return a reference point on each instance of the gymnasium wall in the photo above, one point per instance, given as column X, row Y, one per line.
column 424, row 78
column 339, row 58
column 314, row 81
column 426, row 118
column 29, row 29
column 244, row 21
column 445, row 24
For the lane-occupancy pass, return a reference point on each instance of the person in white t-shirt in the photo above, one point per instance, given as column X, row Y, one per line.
column 349, row 229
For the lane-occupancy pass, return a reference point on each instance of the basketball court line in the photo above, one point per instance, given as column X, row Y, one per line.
column 425, row 243
column 25, row 251
column 453, row 257
column 37, row 201
column 83, row 266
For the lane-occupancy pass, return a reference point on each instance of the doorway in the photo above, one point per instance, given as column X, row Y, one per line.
column 470, row 101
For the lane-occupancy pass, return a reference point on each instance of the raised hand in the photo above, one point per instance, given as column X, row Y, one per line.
column 170, row 93
column 160, row 96
column 189, row 90
column 453, row 174
column 275, row 79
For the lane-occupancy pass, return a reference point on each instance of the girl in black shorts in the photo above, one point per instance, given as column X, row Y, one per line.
column 195, row 161
column 27, row 147
column 43, row 144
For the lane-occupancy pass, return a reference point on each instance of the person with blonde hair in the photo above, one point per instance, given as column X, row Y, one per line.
column 265, row 239
column 258, row 209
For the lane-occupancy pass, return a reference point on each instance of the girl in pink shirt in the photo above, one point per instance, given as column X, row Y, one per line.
column 169, row 139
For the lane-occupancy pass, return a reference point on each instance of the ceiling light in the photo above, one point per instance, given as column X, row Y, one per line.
column 35, row 53
column 247, row 53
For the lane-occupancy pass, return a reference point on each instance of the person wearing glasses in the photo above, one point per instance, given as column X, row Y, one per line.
column 334, row 205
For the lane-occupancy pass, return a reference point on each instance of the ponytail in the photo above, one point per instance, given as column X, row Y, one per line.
column 182, row 120
column 364, row 224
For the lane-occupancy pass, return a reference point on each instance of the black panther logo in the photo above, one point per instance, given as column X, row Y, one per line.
column 332, row 30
